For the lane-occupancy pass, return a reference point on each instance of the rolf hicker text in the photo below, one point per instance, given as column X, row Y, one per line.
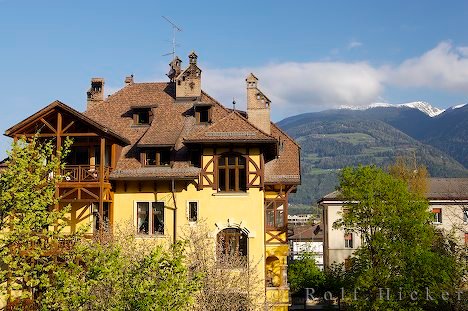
column 384, row 294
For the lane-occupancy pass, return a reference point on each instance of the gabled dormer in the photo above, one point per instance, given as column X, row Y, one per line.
column 203, row 113
column 155, row 156
column 142, row 115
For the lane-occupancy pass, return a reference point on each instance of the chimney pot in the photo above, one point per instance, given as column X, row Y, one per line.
column 95, row 94
column 129, row 80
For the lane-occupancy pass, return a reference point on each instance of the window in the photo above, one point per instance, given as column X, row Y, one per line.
column 348, row 237
column 142, row 116
column 232, row 174
column 466, row 238
column 105, row 216
column 156, row 157
column 150, row 221
column 465, row 214
column 437, row 215
column 232, row 242
column 275, row 214
column 193, row 211
column 203, row 114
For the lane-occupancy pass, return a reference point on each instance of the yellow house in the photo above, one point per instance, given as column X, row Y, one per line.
column 164, row 155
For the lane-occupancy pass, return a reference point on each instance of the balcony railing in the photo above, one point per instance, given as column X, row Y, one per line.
column 84, row 173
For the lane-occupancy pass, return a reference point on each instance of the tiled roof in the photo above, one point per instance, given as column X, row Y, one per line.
column 231, row 128
column 438, row 189
column 174, row 125
column 306, row 233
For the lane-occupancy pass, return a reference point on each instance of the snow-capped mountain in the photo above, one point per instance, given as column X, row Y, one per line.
column 420, row 105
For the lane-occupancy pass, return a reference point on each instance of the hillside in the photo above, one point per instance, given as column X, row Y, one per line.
column 333, row 139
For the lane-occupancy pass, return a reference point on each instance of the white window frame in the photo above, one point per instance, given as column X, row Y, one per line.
column 150, row 217
column 348, row 243
column 437, row 220
column 188, row 211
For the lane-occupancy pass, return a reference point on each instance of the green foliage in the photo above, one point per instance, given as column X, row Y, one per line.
column 43, row 268
column 304, row 273
column 398, row 237
column 109, row 276
column 27, row 200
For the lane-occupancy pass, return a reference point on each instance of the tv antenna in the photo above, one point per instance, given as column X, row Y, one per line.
column 175, row 29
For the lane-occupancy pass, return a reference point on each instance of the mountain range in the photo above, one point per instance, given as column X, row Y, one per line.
column 377, row 134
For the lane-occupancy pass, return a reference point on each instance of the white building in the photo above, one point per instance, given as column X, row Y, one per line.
column 448, row 200
column 306, row 239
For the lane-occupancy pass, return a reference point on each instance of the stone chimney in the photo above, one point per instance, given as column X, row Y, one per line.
column 175, row 69
column 129, row 80
column 95, row 94
column 188, row 83
column 258, row 105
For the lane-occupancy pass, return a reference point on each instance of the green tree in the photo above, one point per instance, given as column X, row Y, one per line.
column 44, row 268
column 31, row 225
column 397, row 253
column 123, row 273
column 303, row 273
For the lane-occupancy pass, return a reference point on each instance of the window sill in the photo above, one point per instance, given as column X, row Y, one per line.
column 231, row 194
column 141, row 125
column 436, row 223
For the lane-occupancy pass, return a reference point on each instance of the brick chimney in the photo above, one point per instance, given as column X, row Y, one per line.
column 258, row 105
column 188, row 83
column 95, row 94
column 129, row 80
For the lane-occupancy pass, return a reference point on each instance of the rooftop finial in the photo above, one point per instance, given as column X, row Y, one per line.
column 233, row 104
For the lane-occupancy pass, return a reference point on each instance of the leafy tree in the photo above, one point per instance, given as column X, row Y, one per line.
column 123, row 273
column 397, row 252
column 304, row 273
column 31, row 225
column 43, row 268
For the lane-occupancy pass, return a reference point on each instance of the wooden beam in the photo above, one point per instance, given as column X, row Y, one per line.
column 68, row 126
column 101, row 185
column 48, row 125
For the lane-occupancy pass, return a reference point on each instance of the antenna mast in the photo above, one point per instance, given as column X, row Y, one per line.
column 175, row 29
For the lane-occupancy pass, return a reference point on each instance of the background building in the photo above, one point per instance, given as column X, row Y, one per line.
column 448, row 201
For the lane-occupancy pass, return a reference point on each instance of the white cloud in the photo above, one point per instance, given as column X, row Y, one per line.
column 445, row 67
column 354, row 44
column 296, row 87
column 299, row 86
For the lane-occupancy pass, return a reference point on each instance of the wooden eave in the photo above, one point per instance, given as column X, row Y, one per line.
column 16, row 129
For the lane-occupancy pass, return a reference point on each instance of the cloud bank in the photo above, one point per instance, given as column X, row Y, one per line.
column 296, row 87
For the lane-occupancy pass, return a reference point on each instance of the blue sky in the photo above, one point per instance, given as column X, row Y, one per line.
column 308, row 55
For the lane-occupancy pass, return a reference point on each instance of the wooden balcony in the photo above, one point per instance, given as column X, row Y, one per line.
column 84, row 173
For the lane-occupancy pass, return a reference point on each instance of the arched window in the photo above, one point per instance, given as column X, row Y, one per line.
column 232, row 174
column 232, row 242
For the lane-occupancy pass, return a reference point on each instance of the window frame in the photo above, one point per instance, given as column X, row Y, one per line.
column 240, row 184
column 151, row 206
column 465, row 214
column 95, row 219
column 198, row 114
column 437, row 215
column 348, row 240
column 276, row 204
column 189, row 211
column 233, row 234
column 137, row 116
column 158, row 152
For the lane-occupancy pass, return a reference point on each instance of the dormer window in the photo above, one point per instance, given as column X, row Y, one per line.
column 142, row 116
column 203, row 114
column 156, row 157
